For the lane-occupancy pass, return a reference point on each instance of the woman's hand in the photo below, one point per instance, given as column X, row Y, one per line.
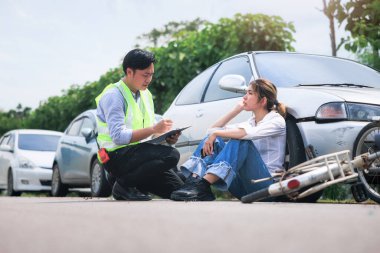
column 240, row 106
column 208, row 146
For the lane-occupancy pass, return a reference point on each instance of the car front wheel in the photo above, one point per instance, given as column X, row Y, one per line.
column 58, row 189
column 100, row 186
column 10, row 185
column 295, row 154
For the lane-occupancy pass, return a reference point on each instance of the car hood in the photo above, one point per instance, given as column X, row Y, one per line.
column 42, row 159
column 356, row 95
column 303, row 102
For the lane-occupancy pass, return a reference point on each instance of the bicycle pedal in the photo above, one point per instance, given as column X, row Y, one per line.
column 358, row 192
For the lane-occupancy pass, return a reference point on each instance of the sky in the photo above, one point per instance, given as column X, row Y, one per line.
column 47, row 46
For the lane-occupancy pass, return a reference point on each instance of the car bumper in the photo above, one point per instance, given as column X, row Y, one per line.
column 33, row 179
column 330, row 137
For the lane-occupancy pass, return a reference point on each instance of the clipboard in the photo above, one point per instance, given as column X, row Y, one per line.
column 162, row 138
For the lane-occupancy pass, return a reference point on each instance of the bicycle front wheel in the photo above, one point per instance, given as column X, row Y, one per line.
column 370, row 177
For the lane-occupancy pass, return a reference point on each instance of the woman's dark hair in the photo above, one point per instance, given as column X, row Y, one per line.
column 138, row 59
column 265, row 88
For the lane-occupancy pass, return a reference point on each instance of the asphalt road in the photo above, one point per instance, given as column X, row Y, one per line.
column 70, row 225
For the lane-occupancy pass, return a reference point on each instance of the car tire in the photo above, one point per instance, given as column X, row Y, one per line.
column 363, row 144
column 100, row 186
column 58, row 189
column 295, row 154
column 10, row 185
column 110, row 178
column 295, row 150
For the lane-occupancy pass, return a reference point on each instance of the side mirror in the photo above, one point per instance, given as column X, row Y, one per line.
column 88, row 134
column 234, row 83
column 6, row 148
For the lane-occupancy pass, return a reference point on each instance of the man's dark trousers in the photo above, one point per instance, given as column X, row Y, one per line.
column 148, row 167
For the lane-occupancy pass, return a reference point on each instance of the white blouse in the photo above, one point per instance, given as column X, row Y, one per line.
column 269, row 137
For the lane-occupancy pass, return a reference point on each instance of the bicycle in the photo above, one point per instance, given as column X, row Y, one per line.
column 320, row 172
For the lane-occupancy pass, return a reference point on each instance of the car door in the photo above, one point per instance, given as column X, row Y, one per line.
column 2, row 182
column 67, row 149
column 184, row 111
column 5, row 159
column 81, row 154
column 217, row 102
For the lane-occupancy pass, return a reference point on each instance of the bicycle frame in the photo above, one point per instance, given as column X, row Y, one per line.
column 317, row 174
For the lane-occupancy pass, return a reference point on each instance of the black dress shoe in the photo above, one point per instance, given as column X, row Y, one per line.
column 130, row 193
column 194, row 189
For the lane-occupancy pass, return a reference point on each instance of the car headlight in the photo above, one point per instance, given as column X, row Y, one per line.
column 331, row 112
column 337, row 111
column 25, row 163
column 363, row 112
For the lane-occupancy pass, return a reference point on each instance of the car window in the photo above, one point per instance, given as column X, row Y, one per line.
column 11, row 141
column 236, row 66
column 38, row 142
column 87, row 123
column 286, row 70
column 5, row 140
column 75, row 127
column 193, row 91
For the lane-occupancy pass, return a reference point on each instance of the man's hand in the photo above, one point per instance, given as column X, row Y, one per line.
column 163, row 126
column 173, row 138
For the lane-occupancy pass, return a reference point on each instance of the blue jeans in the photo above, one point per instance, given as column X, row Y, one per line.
column 236, row 163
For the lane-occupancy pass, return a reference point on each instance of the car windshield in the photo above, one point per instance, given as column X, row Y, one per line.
column 38, row 142
column 286, row 70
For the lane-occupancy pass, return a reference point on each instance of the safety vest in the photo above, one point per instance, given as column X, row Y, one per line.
column 135, row 117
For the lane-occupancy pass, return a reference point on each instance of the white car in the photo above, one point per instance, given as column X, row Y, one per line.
column 26, row 159
column 330, row 101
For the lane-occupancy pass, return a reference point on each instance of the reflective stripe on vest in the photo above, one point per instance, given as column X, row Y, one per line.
column 135, row 118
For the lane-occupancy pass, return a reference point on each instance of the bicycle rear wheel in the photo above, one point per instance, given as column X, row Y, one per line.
column 365, row 142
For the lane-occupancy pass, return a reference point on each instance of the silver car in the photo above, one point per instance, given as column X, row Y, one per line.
column 26, row 158
column 75, row 163
column 329, row 100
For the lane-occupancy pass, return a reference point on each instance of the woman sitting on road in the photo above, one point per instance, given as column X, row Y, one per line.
column 256, row 148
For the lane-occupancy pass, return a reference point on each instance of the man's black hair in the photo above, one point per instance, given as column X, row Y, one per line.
column 138, row 59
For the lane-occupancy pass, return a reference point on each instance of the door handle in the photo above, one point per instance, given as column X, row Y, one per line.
column 199, row 113
column 69, row 143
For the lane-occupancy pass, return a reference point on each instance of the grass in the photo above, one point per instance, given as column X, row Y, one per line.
column 346, row 201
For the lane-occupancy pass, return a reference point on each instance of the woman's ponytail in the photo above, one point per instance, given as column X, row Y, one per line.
column 281, row 109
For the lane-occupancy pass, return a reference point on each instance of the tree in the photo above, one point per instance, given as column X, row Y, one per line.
column 192, row 47
column 184, row 58
column 330, row 12
column 172, row 30
column 14, row 118
column 362, row 18
column 58, row 111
